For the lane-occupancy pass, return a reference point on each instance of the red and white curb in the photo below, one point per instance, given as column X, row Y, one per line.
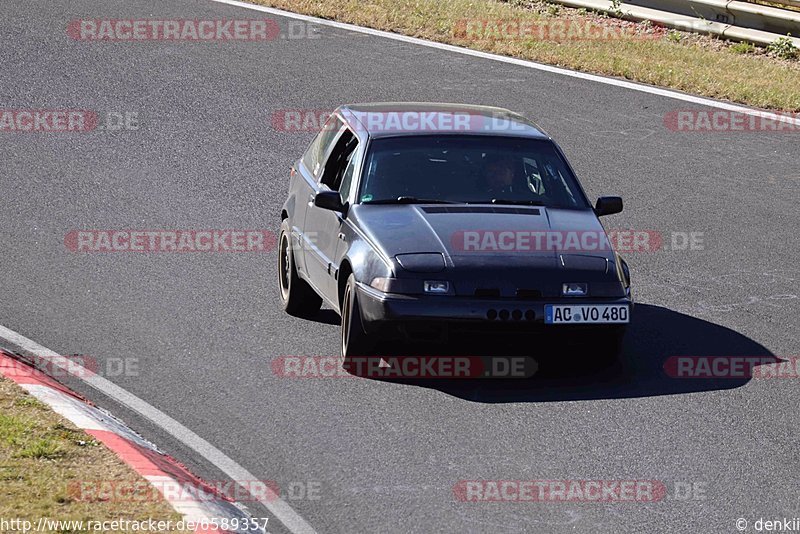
column 171, row 478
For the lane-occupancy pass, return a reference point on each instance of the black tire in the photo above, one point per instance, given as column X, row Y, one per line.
column 297, row 297
column 355, row 341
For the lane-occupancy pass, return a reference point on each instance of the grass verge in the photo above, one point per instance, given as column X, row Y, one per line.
column 41, row 454
column 640, row 52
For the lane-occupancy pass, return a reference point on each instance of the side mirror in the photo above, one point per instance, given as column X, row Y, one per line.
column 608, row 206
column 329, row 200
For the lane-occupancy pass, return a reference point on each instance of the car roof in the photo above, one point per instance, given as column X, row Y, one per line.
column 391, row 119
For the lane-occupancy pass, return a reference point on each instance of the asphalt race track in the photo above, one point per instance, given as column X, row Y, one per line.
column 385, row 456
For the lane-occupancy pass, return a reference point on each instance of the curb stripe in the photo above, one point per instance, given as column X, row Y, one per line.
column 142, row 456
column 272, row 502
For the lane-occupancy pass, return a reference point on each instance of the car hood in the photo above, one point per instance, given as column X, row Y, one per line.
column 492, row 245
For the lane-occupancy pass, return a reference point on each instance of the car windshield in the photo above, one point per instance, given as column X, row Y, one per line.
column 469, row 169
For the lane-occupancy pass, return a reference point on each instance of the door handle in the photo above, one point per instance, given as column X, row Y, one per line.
column 341, row 236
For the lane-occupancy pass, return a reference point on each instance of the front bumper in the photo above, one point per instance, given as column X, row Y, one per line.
column 381, row 311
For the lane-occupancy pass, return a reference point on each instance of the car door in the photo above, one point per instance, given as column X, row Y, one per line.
column 336, row 175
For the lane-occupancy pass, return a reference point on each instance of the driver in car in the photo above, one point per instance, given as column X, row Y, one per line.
column 499, row 176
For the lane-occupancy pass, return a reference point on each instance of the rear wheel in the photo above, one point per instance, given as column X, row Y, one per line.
column 355, row 341
column 297, row 297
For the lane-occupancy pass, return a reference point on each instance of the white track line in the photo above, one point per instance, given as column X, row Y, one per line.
column 788, row 118
column 278, row 507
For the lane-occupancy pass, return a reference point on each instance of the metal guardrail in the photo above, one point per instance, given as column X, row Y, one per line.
column 733, row 12
column 732, row 19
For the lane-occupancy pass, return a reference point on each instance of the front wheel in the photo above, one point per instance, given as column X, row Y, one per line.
column 355, row 341
column 297, row 297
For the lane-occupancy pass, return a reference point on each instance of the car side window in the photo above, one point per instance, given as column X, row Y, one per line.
column 340, row 167
column 315, row 155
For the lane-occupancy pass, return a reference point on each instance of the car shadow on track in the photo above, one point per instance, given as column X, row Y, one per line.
column 326, row 316
column 644, row 369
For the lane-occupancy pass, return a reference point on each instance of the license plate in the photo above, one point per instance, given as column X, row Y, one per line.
column 586, row 313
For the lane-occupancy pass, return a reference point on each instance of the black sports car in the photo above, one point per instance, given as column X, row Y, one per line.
column 417, row 220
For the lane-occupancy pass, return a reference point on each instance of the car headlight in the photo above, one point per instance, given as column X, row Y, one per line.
column 410, row 286
column 575, row 289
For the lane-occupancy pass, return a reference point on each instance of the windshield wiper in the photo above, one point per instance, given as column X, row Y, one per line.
column 517, row 202
column 411, row 200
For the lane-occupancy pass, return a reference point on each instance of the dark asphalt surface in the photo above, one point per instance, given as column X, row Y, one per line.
column 205, row 327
